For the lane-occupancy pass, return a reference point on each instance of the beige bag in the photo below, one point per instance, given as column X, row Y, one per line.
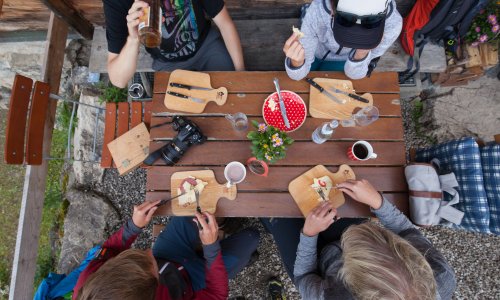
column 427, row 206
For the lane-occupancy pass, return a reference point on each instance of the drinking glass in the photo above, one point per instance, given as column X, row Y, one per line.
column 366, row 116
column 238, row 120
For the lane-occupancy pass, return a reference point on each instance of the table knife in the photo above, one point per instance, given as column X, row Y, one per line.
column 194, row 99
column 282, row 103
column 162, row 202
column 323, row 91
column 189, row 87
column 353, row 96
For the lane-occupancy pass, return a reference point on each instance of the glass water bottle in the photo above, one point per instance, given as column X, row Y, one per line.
column 324, row 132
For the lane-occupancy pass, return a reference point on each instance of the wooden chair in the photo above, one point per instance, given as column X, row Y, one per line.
column 21, row 145
column 119, row 119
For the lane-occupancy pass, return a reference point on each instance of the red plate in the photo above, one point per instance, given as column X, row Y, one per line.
column 296, row 111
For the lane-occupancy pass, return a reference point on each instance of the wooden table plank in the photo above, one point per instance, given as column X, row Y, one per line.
column 218, row 128
column 386, row 179
column 261, row 82
column 278, row 205
column 251, row 104
column 215, row 153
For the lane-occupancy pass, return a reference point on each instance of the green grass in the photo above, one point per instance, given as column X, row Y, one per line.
column 54, row 209
column 11, row 190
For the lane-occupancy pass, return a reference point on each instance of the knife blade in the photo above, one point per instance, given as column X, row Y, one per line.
column 282, row 103
column 189, row 87
column 194, row 99
column 323, row 91
column 353, row 96
column 162, row 202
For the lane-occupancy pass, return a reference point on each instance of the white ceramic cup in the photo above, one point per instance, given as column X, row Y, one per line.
column 235, row 172
column 355, row 155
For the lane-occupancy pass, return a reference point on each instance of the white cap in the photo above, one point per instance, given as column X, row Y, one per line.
column 362, row 7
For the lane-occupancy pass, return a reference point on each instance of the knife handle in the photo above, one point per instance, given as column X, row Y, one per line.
column 180, row 85
column 314, row 84
column 177, row 95
column 359, row 98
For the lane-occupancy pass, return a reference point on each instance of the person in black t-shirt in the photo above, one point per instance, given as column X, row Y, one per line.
column 188, row 40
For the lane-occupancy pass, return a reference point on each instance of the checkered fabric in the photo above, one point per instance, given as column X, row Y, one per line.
column 490, row 159
column 462, row 157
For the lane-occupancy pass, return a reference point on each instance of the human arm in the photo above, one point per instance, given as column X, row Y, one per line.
column 300, row 53
column 216, row 280
column 309, row 283
column 362, row 191
column 123, row 41
column 231, row 38
column 358, row 60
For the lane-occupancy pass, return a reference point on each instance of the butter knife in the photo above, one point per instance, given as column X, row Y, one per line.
column 325, row 92
column 282, row 103
column 194, row 99
column 353, row 96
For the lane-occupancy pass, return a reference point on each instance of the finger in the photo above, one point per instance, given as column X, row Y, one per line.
column 133, row 24
column 134, row 16
column 348, row 192
column 211, row 220
column 290, row 40
column 151, row 212
column 349, row 183
column 325, row 209
column 331, row 214
column 137, row 5
column 302, row 53
column 200, row 228
column 146, row 205
column 316, row 210
column 296, row 52
column 292, row 48
column 201, row 220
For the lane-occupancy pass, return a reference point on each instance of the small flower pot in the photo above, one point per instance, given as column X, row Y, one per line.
column 258, row 167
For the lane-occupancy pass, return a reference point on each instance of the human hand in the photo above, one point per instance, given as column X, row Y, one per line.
column 361, row 191
column 209, row 232
column 319, row 219
column 293, row 49
column 144, row 212
column 134, row 13
column 361, row 54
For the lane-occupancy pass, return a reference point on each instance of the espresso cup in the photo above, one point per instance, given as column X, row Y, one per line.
column 361, row 150
column 235, row 172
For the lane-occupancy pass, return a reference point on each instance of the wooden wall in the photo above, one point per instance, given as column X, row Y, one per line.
column 32, row 15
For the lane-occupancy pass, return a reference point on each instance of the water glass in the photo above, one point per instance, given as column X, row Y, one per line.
column 366, row 116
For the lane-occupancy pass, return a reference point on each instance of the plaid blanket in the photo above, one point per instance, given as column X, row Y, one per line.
column 463, row 158
column 490, row 160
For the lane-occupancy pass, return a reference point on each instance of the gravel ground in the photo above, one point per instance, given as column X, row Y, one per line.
column 475, row 257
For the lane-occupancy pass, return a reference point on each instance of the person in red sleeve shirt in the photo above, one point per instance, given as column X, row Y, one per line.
column 173, row 269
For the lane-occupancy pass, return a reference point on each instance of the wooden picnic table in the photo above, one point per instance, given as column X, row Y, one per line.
column 268, row 196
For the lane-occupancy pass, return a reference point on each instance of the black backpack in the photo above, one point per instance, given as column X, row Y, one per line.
column 444, row 23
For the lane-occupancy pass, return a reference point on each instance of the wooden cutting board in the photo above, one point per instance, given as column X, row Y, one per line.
column 321, row 106
column 130, row 149
column 208, row 198
column 198, row 79
column 307, row 198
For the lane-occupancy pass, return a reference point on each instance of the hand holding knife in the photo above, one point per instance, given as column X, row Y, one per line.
column 281, row 102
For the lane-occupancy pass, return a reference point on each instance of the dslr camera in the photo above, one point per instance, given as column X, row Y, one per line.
column 188, row 134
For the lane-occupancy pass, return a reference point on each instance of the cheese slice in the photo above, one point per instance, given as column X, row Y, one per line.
column 323, row 183
column 297, row 31
column 189, row 194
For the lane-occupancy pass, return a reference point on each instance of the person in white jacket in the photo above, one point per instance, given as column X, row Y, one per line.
column 342, row 35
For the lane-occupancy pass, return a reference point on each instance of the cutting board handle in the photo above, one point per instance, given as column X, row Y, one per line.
column 220, row 96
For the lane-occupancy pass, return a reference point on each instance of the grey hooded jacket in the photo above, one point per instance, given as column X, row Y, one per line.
column 317, row 278
column 318, row 40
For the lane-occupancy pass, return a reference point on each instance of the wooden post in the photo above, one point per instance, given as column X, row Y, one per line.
column 28, row 232
column 66, row 11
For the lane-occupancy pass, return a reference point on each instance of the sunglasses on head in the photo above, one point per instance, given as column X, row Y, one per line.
column 348, row 19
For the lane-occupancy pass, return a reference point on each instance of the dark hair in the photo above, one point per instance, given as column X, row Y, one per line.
column 129, row 276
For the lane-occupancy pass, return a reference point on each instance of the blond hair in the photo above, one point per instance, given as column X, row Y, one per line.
column 129, row 275
column 379, row 264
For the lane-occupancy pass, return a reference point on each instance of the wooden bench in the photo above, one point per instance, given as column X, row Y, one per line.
column 264, row 26
column 21, row 145
column 119, row 119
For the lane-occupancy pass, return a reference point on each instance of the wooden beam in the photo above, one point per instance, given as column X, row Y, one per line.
column 28, row 232
column 71, row 16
